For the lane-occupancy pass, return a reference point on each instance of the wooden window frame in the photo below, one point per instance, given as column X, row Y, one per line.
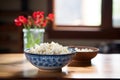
column 105, row 31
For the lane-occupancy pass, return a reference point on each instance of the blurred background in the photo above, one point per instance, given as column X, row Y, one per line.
column 77, row 22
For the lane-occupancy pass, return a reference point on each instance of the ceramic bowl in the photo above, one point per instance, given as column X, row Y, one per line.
column 84, row 58
column 86, row 55
column 50, row 62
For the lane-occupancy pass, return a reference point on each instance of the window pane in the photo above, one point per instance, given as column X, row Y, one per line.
column 116, row 13
column 78, row 12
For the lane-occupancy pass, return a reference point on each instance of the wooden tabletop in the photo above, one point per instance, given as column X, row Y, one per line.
column 15, row 65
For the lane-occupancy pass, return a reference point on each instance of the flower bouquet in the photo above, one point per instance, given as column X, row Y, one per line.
column 33, row 27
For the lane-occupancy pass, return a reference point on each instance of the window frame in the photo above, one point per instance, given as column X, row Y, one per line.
column 104, row 31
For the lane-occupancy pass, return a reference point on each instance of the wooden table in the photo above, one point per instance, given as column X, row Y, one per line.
column 15, row 65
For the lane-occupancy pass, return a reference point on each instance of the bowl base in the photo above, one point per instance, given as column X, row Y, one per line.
column 51, row 70
column 75, row 63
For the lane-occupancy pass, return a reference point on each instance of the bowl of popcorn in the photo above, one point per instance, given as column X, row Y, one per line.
column 50, row 56
column 84, row 54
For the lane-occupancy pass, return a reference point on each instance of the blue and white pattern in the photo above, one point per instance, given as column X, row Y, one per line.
column 49, row 61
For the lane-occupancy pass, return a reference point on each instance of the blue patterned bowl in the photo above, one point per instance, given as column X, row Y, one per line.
column 50, row 62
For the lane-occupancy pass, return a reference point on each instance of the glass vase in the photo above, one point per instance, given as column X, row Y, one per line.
column 32, row 37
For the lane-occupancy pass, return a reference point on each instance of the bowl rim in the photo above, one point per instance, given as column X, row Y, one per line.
column 95, row 49
column 73, row 52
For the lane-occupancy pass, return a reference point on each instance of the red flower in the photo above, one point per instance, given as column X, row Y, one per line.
column 17, row 22
column 38, row 14
column 22, row 19
column 44, row 23
column 37, row 22
column 51, row 16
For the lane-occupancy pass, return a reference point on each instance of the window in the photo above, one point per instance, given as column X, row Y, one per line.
column 78, row 12
column 84, row 19
column 116, row 13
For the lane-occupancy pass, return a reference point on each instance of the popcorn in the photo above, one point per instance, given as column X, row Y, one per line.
column 84, row 50
column 49, row 48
